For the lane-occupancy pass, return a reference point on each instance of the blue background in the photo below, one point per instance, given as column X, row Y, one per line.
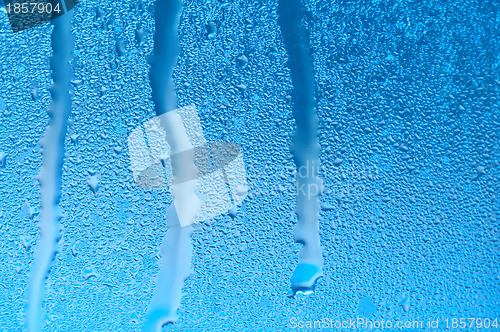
column 407, row 99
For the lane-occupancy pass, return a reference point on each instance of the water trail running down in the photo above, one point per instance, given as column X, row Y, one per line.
column 51, row 171
column 175, row 268
column 305, row 146
column 177, row 247
column 165, row 53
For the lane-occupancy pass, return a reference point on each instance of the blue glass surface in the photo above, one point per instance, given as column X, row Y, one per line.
column 402, row 98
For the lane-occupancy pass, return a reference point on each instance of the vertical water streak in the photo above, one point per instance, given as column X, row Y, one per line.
column 177, row 247
column 51, row 171
column 305, row 146
column 175, row 268
column 165, row 53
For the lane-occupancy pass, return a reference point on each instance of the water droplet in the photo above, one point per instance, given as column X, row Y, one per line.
column 232, row 212
column 405, row 303
column 18, row 266
column 140, row 35
column 242, row 61
column 304, row 279
column 89, row 272
column 121, row 49
column 326, row 207
column 3, row 159
column 338, row 161
column 25, row 242
column 74, row 249
column 31, row 212
column 211, row 29
column 93, row 183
